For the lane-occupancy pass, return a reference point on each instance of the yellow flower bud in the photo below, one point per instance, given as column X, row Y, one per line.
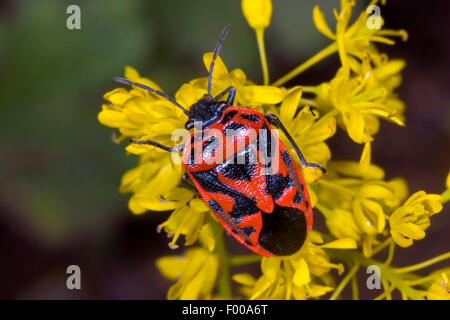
column 257, row 13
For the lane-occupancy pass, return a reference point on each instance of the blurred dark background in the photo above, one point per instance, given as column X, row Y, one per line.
column 60, row 171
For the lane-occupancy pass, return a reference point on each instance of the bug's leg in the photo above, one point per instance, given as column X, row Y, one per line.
column 231, row 95
column 273, row 119
column 188, row 183
column 159, row 145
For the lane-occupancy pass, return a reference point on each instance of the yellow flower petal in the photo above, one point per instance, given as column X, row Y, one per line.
column 192, row 290
column 290, row 103
column 355, row 123
column 361, row 219
column 353, row 169
column 207, row 237
column 244, row 278
column 390, row 68
column 187, row 95
column 117, row 96
column 257, row 12
column 111, row 118
column 321, row 23
column 301, row 275
column 345, row 243
column 374, row 208
column 262, row 94
column 170, row 266
column 132, row 74
column 155, row 204
column 342, row 225
column 270, row 267
column 316, row 290
column 220, row 71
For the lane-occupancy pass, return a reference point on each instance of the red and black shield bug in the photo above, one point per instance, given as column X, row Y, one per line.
column 262, row 201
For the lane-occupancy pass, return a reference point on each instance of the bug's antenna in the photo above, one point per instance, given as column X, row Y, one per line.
column 216, row 53
column 162, row 94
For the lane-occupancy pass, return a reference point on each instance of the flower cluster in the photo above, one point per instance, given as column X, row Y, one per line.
column 364, row 213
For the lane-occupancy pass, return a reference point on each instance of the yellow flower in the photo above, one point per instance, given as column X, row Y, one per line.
column 358, row 104
column 196, row 272
column 354, row 40
column 187, row 220
column 155, row 176
column 439, row 289
column 362, row 89
column 410, row 221
column 357, row 206
column 139, row 113
column 257, row 13
column 301, row 276
column 342, row 225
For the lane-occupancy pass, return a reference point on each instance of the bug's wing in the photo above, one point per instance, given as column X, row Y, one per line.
column 268, row 213
column 236, row 193
column 297, row 195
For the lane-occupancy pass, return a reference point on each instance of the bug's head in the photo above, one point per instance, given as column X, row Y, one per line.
column 205, row 111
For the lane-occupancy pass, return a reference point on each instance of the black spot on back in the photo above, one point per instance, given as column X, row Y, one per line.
column 248, row 231
column 233, row 126
column 286, row 158
column 243, row 205
column 241, row 165
column 191, row 157
column 208, row 142
column 208, row 180
column 237, row 171
column 298, row 198
column 283, row 231
column 207, row 146
column 276, row 183
column 194, row 138
column 266, row 146
column 228, row 116
column 215, row 206
column 250, row 117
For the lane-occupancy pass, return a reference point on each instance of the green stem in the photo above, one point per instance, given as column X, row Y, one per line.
column 243, row 259
column 345, row 281
column 381, row 246
column 224, row 277
column 355, row 290
column 424, row 264
column 332, row 48
column 390, row 254
column 262, row 54
column 388, row 273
